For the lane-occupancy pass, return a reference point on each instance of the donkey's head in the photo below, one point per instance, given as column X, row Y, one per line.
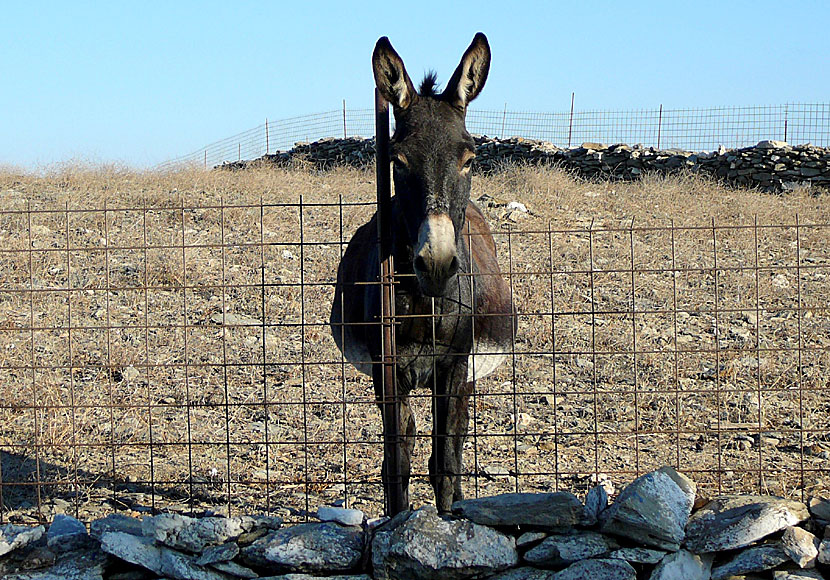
column 432, row 154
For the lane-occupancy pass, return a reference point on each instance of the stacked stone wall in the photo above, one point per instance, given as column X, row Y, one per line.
column 769, row 165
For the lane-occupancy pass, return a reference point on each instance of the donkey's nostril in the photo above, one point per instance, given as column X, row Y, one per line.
column 420, row 263
column 454, row 265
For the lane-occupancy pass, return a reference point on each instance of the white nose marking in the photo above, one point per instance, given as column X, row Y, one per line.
column 436, row 240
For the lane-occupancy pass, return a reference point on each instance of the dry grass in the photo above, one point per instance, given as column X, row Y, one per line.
column 122, row 385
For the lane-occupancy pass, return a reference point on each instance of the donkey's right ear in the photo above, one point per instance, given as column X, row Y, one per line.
column 390, row 75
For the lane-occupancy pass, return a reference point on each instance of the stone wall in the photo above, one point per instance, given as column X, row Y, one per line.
column 657, row 528
column 770, row 165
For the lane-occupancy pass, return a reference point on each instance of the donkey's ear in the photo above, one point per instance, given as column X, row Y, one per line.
column 390, row 75
column 469, row 78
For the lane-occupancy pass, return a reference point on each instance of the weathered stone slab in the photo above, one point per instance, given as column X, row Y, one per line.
column 551, row 511
column 525, row 573
column 234, row 569
column 85, row 564
column 596, row 501
column 530, row 538
column 801, row 546
column 427, row 546
column 346, row 517
column 142, row 551
column 598, row 569
column 652, row 510
column 683, row 565
column 13, row 537
column 313, row 547
column 115, row 523
column 562, row 549
column 195, row 534
column 754, row 559
column 820, row 508
column 65, row 534
column 638, row 555
column 311, row 577
column 824, row 551
column 221, row 553
column 136, row 550
column 732, row 522
column 797, row 575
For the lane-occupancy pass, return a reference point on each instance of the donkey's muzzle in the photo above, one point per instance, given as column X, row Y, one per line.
column 436, row 256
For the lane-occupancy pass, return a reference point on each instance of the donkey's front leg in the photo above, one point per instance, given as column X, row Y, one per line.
column 450, row 419
column 398, row 444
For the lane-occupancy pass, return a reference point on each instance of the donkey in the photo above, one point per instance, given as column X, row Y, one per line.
column 454, row 314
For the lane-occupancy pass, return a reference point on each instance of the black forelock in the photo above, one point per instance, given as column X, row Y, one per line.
column 429, row 84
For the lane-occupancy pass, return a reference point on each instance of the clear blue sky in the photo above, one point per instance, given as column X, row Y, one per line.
column 141, row 82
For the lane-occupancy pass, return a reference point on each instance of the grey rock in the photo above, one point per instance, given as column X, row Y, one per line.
column 234, row 569
column 141, row 551
column 115, row 523
column 66, row 533
column 182, row 567
column 797, row 575
column 136, row 550
column 311, row 577
column 562, row 549
column 596, row 501
column 550, row 511
column 731, row 522
column 770, row 144
column 194, row 535
column 638, row 555
column 683, row 565
column 598, row 569
column 86, row 564
column 13, row 537
column 529, row 538
column 347, row 517
column 824, row 551
column 525, row 573
column 801, row 546
column 820, row 508
column 754, row 559
column 312, row 547
column 221, row 553
column 427, row 546
column 653, row 509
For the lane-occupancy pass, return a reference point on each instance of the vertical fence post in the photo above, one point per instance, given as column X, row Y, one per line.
column 239, row 151
column 786, row 114
column 344, row 118
column 503, row 118
column 659, row 126
column 205, row 158
column 571, row 120
column 267, row 139
column 393, row 484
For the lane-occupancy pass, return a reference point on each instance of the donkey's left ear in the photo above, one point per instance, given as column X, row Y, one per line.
column 469, row 78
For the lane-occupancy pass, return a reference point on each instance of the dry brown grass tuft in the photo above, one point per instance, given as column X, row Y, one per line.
column 123, row 386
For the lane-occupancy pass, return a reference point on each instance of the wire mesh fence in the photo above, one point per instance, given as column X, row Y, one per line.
column 703, row 129
column 179, row 357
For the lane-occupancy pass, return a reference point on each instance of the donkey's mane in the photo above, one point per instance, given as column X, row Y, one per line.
column 429, row 84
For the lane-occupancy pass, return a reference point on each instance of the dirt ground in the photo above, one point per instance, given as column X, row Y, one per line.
column 164, row 341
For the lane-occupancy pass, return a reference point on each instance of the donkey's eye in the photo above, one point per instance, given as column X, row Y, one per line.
column 468, row 163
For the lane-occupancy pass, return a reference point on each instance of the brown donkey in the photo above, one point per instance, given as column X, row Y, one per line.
column 454, row 317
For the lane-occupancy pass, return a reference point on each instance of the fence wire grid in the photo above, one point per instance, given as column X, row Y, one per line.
column 179, row 358
column 701, row 129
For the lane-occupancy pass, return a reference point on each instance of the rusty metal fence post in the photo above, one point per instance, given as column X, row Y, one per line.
column 393, row 486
